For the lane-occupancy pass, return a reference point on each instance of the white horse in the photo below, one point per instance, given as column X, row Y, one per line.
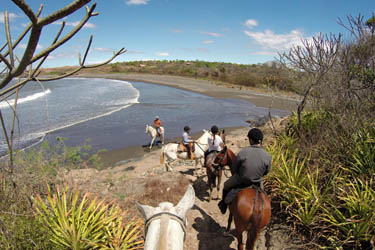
column 171, row 153
column 165, row 225
column 152, row 131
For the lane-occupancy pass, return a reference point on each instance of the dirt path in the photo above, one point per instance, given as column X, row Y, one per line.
column 144, row 180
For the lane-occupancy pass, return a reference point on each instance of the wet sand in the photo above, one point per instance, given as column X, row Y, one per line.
column 259, row 97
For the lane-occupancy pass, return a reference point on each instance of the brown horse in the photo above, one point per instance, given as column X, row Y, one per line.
column 214, row 171
column 251, row 209
column 225, row 158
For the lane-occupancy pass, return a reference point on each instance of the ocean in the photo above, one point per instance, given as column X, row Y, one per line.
column 112, row 114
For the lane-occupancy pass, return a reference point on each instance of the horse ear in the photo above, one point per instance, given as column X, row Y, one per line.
column 144, row 210
column 186, row 202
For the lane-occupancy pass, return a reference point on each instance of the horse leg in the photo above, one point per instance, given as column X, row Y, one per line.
column 196, row 167
column 209, row 181
column 168, row 167
column 219, row 174
column 152, row 141
column 230, row 218
column 240, row 245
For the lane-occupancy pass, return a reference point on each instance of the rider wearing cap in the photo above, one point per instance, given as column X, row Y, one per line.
column 215, row 142
column 251, row 164
column 157, row 124
column 187, row 141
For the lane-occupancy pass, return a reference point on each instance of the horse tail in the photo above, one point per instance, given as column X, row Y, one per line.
column 255, row 220
column 162, row 157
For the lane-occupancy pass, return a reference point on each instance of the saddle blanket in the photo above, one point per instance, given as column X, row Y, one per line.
column 233, row 193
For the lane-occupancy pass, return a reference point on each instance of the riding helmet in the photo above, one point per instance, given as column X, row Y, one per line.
column 256, row 135
column 214, row 129
column 186, row 128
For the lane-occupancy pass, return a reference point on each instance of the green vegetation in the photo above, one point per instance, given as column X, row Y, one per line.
column 35, row 216
column 90, row 224
column 323, row 162
column 269, row 75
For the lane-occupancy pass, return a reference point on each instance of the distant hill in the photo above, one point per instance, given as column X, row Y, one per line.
column 267, row 75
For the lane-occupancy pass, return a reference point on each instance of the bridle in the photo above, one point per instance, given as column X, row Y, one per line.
column 221, row 159
column 169, row 216
column 198, row 144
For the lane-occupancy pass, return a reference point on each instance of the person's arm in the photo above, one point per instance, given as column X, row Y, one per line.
column 268, row 167
column 237, row 163
column 187, row 137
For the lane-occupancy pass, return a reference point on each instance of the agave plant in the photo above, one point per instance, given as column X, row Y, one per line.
column 120, row 235
column 355, row 216
column 88, row 224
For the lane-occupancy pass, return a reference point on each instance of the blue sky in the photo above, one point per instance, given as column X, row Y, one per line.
column 237, row 31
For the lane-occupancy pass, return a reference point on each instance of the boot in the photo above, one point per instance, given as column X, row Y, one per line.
column 222, row 205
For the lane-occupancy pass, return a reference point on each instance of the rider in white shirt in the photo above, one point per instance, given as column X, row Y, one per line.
column 187, row 141
column 215, row 142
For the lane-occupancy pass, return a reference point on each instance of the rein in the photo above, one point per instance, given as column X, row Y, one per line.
column 170, row 216
column 197, row 143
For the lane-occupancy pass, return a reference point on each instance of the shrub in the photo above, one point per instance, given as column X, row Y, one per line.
column 88, row 224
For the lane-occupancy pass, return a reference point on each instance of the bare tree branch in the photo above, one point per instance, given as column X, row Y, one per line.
column 66, row 11
column 65, row 38
column 27, row 10
column 6, row 62
column 9, row 39
column 27, row 29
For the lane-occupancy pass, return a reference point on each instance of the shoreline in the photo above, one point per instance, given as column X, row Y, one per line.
column 112, row 158
column 259, row 97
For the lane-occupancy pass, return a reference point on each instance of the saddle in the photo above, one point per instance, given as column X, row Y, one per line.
column 182, row 148
column 233, row 192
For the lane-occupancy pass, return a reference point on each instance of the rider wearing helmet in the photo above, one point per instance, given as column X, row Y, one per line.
column 187, row 141
column 251, row 164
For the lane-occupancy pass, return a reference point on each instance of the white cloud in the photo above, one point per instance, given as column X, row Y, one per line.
column 63, row 55
column 207, row 41
column 162, row 54
column 103, row 49
column 265, row 53
column 134, row 52
column 271, row 41
column 23, row 46
column 214, row 34
column 73, row 24
column 251, row 23
column 136, row 2
column 11, row 16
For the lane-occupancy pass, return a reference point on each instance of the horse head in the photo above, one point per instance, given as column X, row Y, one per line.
column 226, row 157
column 204, row 138
column 165, row 225
column 147, row 128
column 222, row 157
column 222, row 135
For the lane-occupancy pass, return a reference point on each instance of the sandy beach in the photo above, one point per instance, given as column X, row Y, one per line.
column 260, row 97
